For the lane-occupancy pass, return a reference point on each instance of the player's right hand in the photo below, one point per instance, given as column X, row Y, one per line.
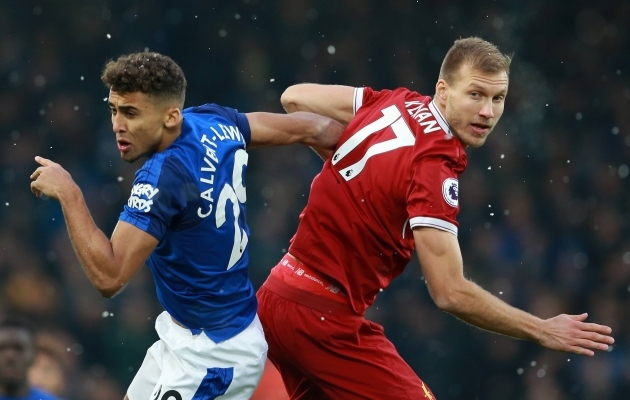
column 50, row 179
column 571, row 334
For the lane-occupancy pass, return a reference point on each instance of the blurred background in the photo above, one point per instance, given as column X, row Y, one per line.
column 544, row 220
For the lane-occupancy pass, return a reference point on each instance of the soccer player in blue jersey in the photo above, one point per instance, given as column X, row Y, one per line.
column 17, row 353
column 186, row 219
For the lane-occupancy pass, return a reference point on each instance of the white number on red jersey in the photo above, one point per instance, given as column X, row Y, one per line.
column 392, row 117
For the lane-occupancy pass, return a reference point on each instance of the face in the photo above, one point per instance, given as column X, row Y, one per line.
column 140, row 124
column 474, row 103
column 16, row 356
column 47, row 373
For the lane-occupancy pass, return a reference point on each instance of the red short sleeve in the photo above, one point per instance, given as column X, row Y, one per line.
column 433, row 194
column 363, row 95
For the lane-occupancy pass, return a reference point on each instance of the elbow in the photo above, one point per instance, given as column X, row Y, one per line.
column 448, row 298
column 445, row 301
column 289, row 99
column 109, row 289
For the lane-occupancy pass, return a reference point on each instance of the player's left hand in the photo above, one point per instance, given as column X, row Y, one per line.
column 571, row 334
column 50, row 179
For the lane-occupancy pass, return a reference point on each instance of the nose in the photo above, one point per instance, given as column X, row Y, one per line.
column 118, row 123
column 486, row 110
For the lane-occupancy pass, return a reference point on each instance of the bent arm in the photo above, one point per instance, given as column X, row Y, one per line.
column 109, row 264
column 333, row 101
column 442, row 266
column 269, row 129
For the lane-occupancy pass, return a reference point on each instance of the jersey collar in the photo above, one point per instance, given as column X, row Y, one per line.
column 440, row 118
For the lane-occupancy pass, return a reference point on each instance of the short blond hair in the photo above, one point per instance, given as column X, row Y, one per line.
column 476, row 53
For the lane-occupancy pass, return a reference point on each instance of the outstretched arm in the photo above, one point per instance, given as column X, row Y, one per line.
column 333, row 101
column 269, row 129
column 109, row 264
column 442, row 266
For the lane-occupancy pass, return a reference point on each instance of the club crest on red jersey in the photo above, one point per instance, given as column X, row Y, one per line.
column 450, row 191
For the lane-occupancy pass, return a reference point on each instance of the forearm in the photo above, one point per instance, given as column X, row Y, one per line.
column 471, row 303
column 269, row 129
column 93, row 248
column 324, row 133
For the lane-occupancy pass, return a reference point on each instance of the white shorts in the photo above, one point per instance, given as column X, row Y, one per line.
column 183, row 366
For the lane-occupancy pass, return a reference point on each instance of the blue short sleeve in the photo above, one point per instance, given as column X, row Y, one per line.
column 158, row 196
column 239, row 119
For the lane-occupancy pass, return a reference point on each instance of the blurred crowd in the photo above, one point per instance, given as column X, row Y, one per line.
column 544, row 222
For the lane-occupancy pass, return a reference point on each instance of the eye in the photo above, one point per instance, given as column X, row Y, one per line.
column 498, row 98
column 475, row 94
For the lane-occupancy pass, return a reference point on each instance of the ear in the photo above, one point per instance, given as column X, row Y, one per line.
column 173, row 117
column 441, row 89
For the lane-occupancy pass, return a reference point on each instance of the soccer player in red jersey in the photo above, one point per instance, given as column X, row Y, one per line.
column 391, row 185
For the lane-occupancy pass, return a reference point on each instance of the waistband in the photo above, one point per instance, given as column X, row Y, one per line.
column 294, row 281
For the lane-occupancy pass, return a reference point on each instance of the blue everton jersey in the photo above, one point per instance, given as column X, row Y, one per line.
column 191, row 197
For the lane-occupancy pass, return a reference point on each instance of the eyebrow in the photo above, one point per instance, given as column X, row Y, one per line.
column 477, row 87
column 123, row 108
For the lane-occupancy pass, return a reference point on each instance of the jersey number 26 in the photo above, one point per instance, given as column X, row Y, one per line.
column 237, row 195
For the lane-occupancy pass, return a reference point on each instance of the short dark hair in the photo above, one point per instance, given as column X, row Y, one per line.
column 478, row 54
column 151, row 73
column 18, row 322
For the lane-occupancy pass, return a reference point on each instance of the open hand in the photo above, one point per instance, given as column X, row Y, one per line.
column 50, row 179
column 571, row 334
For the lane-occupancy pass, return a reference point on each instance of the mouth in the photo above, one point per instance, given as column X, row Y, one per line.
column 123, row 145
column 480, row 129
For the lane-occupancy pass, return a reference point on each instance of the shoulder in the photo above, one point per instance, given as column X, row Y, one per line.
column 211, row 110
column 220, row 119
column 366, row 97
column 169, row 162
column 399, row 92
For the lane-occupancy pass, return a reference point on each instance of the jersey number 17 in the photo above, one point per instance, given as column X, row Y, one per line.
column 392, row 118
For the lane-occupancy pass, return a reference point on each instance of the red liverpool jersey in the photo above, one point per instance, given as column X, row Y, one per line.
column 396, row 167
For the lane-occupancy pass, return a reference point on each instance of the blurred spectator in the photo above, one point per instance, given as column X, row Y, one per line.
column 17, row 353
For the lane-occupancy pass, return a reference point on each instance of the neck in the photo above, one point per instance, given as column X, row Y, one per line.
column 440, row 103
column 170, row 136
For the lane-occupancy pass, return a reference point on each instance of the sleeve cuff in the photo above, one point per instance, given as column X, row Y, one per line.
column 433, row 223
column 358, row 99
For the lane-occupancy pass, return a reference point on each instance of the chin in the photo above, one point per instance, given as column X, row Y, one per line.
column 471, row 140
column 475, row 142
column 130, row 158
